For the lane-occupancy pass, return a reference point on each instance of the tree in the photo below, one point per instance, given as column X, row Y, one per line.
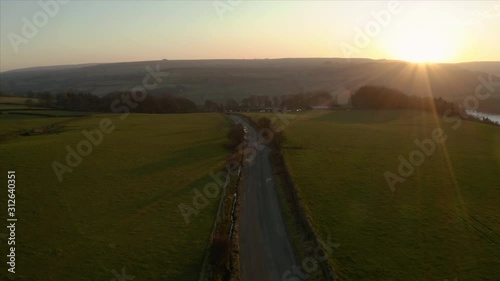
column 276, row 101
column 210, row 106
column 308, row 99
column 173, row 104
column 45, row 99
column 266, row 131
column 231, row 104
column 375, row 97
column 236, row 136
column 251, row 101
column 219, row 253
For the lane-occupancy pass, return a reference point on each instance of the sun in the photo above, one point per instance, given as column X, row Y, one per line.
column 423, row 45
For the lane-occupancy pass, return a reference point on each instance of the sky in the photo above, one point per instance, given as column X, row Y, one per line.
column 50, row 32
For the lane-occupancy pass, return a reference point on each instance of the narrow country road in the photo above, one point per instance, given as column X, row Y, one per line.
column 265, row 250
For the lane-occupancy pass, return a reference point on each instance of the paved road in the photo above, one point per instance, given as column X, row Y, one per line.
column 265, row 250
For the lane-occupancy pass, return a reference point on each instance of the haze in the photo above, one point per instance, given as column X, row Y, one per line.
column 113, row 31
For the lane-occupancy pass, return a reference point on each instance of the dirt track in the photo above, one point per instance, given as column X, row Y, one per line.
column 265, row 250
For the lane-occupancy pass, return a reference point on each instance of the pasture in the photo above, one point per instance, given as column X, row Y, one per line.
column 18, row 123
column 15, row 100
column 118, row 209
column 442, row 222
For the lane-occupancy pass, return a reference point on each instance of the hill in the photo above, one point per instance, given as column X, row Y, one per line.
column 484, row 66
column 218, row 80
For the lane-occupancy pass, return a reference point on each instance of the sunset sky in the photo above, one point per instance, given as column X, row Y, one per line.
column 114, row 31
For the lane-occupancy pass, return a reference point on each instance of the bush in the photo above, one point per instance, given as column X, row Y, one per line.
column 219, row 258
column 235, row 136
column 276, row 139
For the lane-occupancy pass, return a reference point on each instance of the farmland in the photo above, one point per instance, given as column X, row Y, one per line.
column 16, row 123
column 118, row 209
column 19, row 101
column 441, row 223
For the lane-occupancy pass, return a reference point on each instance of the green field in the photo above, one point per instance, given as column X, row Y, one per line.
column 15, row 123
column 16, row 100
column 50, row 113
column 119, row 207
column 442, row 223
column 12, row 106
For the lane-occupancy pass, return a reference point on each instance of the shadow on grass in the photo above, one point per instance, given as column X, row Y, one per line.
column 179, row 158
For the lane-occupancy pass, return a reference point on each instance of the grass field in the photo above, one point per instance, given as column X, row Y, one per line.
column 51, row 113
column 118, row 208
column 12, row 106
column 16, row 100
column 18, row 121
column 442, row 223
column 12, row 123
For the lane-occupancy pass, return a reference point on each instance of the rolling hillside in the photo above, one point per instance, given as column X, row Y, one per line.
column 221, row 79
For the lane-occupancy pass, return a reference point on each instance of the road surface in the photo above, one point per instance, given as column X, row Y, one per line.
column 265, row 250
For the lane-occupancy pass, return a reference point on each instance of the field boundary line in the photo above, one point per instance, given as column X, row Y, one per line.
column 203, row 276
column 52, row 126
column 303, row 218
column 218, row 217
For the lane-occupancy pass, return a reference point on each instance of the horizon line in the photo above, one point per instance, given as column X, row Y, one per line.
column 235, row 59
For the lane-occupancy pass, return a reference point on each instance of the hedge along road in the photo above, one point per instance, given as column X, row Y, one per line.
column 265, row 250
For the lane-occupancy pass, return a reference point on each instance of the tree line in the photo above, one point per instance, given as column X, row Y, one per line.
column 176, row 104
column 378, row 97
column 302, row 100
column 383, row 98
column 366, row 97
column 90, row 102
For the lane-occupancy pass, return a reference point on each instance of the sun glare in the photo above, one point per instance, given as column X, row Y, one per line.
column 423, row 45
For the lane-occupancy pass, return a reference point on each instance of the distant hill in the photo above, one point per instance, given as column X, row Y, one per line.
column 49, row 68
column 484, row 66
column 221, row 79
